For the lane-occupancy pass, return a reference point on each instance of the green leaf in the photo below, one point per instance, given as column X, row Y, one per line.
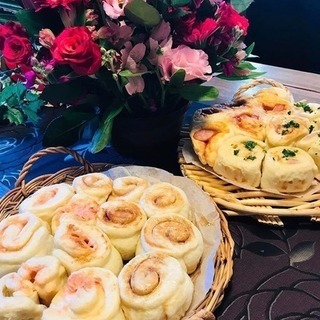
column 241, row 5
column 20, row 90
column 245, row 65
column 249, row 49
column 65, row 130
column 10, row 6
column 30, row 20
column 64, row 92
column 103, row 134
column 14, row 116
column 177, row 78
column 142, row 13
column 179, row 3
column 196, row 92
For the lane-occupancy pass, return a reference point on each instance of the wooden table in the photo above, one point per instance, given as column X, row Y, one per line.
column 303, row 85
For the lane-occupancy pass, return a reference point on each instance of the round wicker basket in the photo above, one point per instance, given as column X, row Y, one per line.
column 9, row 205
column 266, row 207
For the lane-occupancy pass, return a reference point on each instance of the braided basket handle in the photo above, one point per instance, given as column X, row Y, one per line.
column 238, row 96
column 51, row 150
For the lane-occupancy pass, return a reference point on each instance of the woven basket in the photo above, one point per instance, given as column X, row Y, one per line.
column 223, row 260
column 266, row 207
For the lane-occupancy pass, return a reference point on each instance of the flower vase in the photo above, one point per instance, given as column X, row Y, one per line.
column 152, row 138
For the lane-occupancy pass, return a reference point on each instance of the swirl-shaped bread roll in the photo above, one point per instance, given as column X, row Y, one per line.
column 46, row 200
column 309, row 110
column 22, row 236
column 287, row 169
column 286, row 130
column 240, row 159
column 207, row 136
column 164, row 197
column 128, row 188
column 47, row 275
column 122, row 221
column 78, row 245
column 90, row 293
column 79, row 208
column 174, row 235
column 154, row 286
column 311, row 144
column 96, row 186
column 18, row 299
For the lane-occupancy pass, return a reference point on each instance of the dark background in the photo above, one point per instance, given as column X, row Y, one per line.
column 286, row 33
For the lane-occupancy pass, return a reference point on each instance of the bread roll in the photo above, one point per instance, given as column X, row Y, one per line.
column 96, row 186
column 18, row 299
column 128, row 188
column 154, row 286
column 207, row 135
column 286, row 130
column 46, row 200
column 309, row 110
column 78, row 245
column 174, row 235
column 239, row 159
column 22, row 236
column 80, row 208
column 90, row 293
column 122, row 221
column 311, row 144
column 163, row 197
column 288, row 170
column 47, row 275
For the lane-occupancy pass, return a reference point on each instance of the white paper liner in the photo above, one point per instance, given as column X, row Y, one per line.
column 205, row 215
column 190, row 157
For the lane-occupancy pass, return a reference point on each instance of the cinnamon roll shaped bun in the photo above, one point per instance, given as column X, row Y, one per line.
column 154, row 286
column 286, row 130
column 90, row 293
column 96, row 186
column 22, row 236
column 174, row 235
column 309, row 110
column 128, row 188
column 78, row 245
column 79, row 208
column 46, row 200
column 47, row 275
column 18, row 299
column 287, row 169
column 164, row 197
column 122, row 221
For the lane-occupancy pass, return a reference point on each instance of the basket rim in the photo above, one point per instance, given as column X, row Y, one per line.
column 223, row 260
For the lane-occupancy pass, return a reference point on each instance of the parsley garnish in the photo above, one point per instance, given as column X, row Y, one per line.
column 250, row 145
column 311, row 128
column 236, row 151
column 286, row 153
column 304, row 106
column 291, row 123
column 251, row 158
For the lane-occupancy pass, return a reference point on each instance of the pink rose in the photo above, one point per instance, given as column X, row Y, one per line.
column 9, row 29
column 194, row 62
column 113, row 9
column 46, row 38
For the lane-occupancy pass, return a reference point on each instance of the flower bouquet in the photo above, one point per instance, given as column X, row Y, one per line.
column 101, row 59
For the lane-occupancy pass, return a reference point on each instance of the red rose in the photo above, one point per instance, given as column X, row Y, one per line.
column 230, row 18
column 16, row 51
column 75, row 47
column 11, row 28
column 201, row 32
